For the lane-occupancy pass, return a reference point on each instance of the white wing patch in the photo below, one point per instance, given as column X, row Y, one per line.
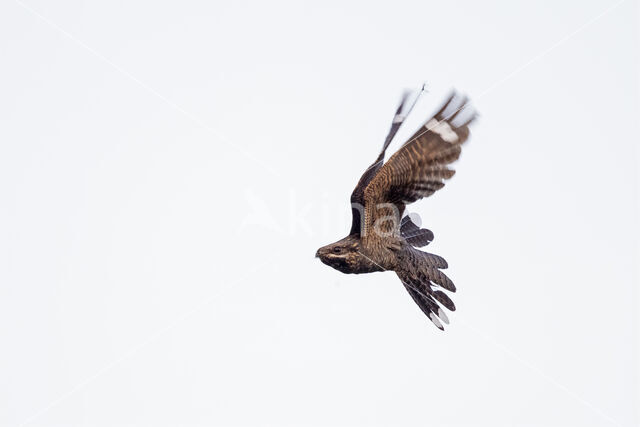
column 398, row 118
column 443, row 129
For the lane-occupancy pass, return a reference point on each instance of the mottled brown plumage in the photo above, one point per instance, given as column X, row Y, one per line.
column 381, row 238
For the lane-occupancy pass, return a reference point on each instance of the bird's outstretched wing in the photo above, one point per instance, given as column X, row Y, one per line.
column 357, row 196
column 417, row 169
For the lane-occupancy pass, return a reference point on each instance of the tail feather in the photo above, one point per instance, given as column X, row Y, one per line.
column 444, row 300
column 428, row 307
column 439, row 278
column 420, row 274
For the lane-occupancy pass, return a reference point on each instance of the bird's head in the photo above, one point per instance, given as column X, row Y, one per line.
column 343, row 255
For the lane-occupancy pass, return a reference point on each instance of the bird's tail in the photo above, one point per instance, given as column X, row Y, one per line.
column 421, row 276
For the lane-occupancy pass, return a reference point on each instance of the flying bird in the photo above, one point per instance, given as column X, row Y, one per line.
column 382, row 237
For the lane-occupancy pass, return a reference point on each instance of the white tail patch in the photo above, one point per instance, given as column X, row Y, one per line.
column 435, row 320
column 443, row 129
column 443, row 316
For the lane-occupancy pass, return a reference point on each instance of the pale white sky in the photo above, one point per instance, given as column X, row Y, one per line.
column 168, row 169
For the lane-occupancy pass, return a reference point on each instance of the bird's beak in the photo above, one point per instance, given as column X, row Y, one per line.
column 318, row 253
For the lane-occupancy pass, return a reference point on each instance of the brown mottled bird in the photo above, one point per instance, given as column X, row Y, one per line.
column 381, row 237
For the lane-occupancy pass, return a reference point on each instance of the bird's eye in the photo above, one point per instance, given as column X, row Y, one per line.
column 337, row 249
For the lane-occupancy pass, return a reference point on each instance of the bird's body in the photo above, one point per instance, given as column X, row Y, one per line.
column 381, row 238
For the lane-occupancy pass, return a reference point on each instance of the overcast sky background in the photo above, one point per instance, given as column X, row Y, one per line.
column 168, row 169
